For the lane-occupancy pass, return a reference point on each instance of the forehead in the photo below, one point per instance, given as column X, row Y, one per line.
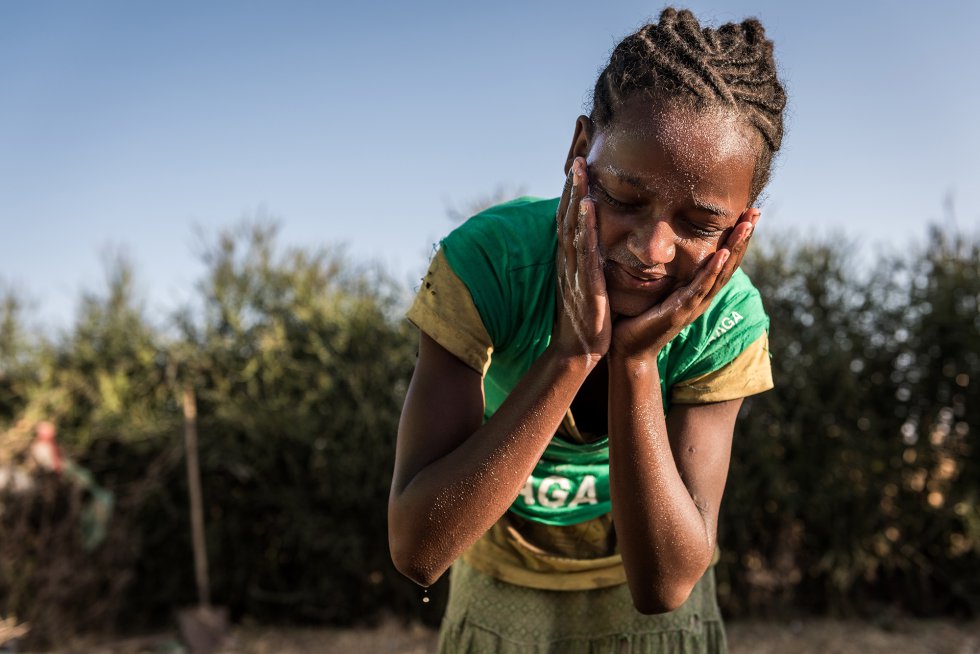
column 680, row 144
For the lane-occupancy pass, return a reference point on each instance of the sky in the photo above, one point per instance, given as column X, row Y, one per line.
column 134, row 126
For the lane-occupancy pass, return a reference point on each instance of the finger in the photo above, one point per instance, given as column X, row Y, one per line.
column 583, row 171
column 566, row 193
column 751, row 216
column 589, row 261
column 570, row 221
column 569, row 212
column 737, row 231
column 727, row 268
column 696, row 298
column 738, row 245
column 560, row 268
column 694, row 293
column 737, row 242
column 741, row 244
column 684, row 301
column 561, row 259
column 587, row 223
column 727, row 238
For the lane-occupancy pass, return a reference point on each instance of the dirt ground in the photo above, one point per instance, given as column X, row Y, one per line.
column 817, row 636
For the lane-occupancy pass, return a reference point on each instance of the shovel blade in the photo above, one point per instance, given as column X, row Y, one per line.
column 203, row 629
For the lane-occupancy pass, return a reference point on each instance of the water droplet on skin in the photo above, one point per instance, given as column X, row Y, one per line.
column 425, row 596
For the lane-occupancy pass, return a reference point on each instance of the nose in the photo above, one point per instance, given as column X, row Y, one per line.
column 653, row 243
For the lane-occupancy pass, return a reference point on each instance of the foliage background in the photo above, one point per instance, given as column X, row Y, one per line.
column 853, row 487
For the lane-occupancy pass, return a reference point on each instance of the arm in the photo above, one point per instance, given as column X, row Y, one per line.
column 453, row 476
column 667, row 477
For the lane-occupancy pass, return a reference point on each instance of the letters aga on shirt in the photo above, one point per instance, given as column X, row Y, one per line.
column 489, row 299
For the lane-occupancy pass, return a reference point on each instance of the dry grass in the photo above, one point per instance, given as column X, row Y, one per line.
column 841, row 637
column 817, row 636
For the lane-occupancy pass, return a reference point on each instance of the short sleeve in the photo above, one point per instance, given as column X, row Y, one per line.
column 480, row 253
column 734, row 321
column 749, row 373
column 443, row 308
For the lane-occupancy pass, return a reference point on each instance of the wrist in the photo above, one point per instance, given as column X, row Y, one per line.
column 636, row 361
column 582, row 362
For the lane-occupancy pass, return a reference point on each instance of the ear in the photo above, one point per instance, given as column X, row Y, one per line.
column 581, row 141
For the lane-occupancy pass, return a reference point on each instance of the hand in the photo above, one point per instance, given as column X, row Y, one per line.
column 643, row 336
column 584, row 322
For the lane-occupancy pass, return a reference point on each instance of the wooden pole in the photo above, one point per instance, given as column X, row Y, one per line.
column 197, row 504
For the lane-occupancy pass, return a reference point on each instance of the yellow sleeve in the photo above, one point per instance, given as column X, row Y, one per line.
column 749, row 373
column 444, row 309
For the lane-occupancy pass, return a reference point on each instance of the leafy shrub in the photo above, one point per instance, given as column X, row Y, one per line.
column 854, row 482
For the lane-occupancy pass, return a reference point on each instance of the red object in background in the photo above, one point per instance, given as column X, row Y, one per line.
column 44, row 448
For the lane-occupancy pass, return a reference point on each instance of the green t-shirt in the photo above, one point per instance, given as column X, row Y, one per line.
column 506, row 258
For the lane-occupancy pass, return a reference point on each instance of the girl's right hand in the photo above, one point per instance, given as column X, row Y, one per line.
column 584, row 321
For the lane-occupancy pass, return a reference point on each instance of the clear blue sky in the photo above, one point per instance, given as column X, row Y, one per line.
column 124, row 124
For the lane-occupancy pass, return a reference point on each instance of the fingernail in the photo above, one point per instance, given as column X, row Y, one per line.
column 748, row 232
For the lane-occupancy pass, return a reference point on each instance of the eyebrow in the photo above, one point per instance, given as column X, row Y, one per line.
column 637, row 182
column 711, row 207
column 629, row 178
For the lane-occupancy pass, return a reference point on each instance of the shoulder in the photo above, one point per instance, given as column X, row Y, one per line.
column 505, row 256
column 738, row 302
column 444, row 309
column 733, row 321
column 516, row 233
column 749, row 373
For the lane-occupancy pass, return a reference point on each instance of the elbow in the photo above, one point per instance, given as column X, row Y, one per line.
column 408, row 558
column 660, row 589
column 409, row 563
column 660, row 598
column 415, row 570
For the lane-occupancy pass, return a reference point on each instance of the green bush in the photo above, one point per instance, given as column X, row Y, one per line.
column 299, row 361
column 854, row 484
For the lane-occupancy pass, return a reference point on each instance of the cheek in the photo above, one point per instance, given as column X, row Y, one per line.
column 705, row 249
column 612, row 229
column 695, row 253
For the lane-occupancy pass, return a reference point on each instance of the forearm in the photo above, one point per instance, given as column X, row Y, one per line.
column 448, row 504
column 664, row 536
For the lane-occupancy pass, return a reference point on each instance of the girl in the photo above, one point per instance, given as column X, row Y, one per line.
column 566, row 436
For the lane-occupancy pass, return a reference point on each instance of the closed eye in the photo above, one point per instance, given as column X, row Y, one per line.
column 604, row 195
column 702, row 231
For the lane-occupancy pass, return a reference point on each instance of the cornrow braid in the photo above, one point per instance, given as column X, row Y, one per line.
column 675, row 58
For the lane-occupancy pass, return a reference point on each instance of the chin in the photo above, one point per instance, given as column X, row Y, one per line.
column 624, row 303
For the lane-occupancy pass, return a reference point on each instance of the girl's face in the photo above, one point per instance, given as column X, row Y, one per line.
column 668, row 184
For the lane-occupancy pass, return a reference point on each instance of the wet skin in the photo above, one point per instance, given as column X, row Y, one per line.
column 665, row 188
column 651, row 225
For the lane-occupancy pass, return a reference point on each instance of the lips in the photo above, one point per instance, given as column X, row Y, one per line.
column 631, row 278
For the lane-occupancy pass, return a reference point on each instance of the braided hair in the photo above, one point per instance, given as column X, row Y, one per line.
column 677, row 59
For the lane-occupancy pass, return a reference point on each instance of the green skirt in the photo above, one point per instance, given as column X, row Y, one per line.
column 486, row 615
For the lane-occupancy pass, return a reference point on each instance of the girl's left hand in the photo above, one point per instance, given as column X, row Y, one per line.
column 642, row 337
